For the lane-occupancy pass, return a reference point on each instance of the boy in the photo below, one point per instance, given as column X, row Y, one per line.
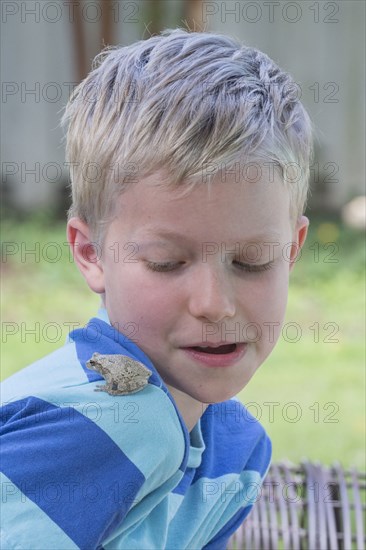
column 187, row 220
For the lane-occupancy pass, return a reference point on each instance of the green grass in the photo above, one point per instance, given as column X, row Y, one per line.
column 313, row 387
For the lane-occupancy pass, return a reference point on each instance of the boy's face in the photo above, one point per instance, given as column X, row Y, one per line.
column 206, row 294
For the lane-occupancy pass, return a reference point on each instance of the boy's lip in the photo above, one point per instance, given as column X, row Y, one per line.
column 216, row 359
column 211, row 344
column 207, row 344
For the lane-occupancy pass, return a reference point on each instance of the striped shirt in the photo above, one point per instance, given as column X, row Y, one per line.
column 85, row 469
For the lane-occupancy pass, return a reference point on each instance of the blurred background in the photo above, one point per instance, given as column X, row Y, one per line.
column 310, row 393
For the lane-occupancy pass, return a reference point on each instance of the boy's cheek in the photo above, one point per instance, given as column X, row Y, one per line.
column 127, row 300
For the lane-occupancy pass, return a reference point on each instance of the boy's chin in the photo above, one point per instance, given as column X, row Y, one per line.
column 209, row 396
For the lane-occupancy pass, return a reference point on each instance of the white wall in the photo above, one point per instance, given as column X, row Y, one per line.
column 35, row 71
column 318, row 42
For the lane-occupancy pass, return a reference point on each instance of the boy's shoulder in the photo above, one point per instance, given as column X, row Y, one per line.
column 57, row 395
column 59, row 385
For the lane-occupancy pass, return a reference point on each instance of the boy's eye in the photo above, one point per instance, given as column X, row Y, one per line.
column 167, row 266
column 170, row 266
column 253, row 268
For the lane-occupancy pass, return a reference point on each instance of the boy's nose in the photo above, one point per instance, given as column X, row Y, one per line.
column 211, row 296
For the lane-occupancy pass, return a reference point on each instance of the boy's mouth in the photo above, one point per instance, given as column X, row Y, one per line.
column 217, row 355
column 219, row 350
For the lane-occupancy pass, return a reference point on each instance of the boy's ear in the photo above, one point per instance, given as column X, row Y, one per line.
column 301, row 231
column 87, row 254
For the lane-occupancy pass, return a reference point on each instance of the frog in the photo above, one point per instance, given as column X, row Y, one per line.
column 123, row 375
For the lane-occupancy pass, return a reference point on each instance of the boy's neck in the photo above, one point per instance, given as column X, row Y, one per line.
column 190, row 409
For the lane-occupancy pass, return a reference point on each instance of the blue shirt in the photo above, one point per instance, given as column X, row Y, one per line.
column 90, row 470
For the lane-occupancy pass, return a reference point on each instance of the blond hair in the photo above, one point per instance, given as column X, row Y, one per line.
column 193, row 103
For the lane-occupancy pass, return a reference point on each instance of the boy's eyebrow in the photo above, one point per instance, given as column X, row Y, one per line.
column 270, row 236
column 161, row 238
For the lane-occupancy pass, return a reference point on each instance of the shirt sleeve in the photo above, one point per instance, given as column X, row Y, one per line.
column 73, row 469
